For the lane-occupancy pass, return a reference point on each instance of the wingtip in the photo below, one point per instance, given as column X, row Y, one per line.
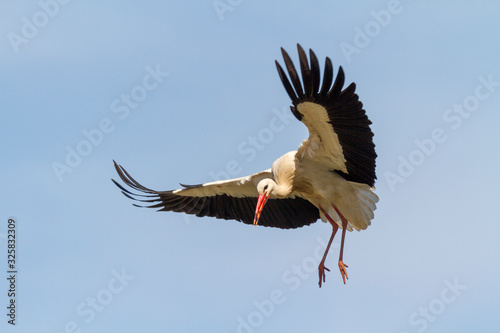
column 312, row 54
column 284, row 54
column 341, row 71
column 329, row 61
column 117, row 166
column 299, row 47
column 303, row 57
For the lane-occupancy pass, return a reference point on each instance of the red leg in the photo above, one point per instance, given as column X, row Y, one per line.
column 321, row 267
column 342, row 266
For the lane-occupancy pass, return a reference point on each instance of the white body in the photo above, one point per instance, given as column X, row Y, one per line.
column 313, row 181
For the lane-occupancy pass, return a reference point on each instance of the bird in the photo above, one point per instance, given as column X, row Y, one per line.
column 330, row 177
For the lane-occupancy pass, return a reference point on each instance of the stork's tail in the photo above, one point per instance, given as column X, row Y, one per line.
column 367, row 204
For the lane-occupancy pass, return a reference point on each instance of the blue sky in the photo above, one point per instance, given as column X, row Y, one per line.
column 175, row 92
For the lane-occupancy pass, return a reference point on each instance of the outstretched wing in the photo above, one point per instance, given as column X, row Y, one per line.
column 339, row 130
column 234, row 199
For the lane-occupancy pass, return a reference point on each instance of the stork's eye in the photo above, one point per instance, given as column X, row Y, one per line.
column 265, row 187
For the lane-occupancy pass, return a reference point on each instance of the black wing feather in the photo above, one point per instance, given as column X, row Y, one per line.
column 306, row 73
column 345, row 112
column 314, row 71
column 275, row 214
column 293, row 74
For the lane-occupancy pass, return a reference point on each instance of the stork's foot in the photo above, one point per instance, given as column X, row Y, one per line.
column 342, row 267
column 322, row 273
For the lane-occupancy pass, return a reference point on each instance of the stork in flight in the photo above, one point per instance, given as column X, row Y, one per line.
column 330, row 177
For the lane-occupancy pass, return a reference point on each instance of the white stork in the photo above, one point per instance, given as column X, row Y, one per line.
column 330, row 176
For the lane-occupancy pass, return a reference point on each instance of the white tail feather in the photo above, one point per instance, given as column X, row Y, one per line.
column 367, row 204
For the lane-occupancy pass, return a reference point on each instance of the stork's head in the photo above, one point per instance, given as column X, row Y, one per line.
column 265, row 188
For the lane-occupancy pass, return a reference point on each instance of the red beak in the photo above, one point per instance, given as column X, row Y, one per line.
column 260, row 205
